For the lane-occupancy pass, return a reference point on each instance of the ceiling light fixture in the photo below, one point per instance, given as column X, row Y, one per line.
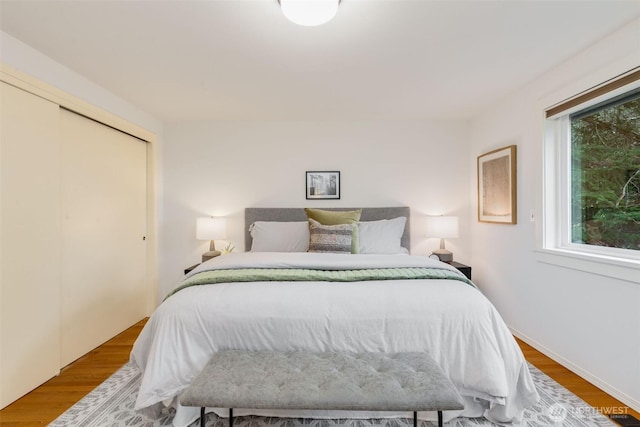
column 309, row 12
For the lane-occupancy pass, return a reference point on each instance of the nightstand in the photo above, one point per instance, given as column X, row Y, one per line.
column 188, row 269
column 464, row 269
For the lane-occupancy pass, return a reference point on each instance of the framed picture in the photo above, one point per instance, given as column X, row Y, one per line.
column 323, row 185
column 497, row 194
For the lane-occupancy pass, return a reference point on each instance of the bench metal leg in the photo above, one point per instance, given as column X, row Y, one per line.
column 203, row 421
column 415, row 418
column 439, row 418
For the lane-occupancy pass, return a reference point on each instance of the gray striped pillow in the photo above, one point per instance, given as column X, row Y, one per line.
column 330, row 238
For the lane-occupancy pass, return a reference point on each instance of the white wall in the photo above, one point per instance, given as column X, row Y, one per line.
column 219, row 168
column 23, row 57
column 589, row 322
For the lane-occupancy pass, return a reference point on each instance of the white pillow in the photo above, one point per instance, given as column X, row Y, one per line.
column 382, row 237
column 272, row 236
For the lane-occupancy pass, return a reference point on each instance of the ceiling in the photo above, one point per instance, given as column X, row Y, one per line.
column 376, row 60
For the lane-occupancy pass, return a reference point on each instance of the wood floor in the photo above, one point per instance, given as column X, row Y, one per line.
column 51, row 399
column 48, row 401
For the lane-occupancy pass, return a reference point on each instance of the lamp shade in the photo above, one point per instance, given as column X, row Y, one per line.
column 211, row 228
column 309, row 12
column 443, row 227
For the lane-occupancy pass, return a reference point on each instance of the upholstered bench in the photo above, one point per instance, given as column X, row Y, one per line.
column 303, row 380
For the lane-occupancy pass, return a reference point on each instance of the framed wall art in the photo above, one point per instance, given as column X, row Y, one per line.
column 497, row 186
column 323, row 185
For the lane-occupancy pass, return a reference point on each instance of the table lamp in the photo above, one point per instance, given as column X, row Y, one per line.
column 442, row 227
column 211, row 229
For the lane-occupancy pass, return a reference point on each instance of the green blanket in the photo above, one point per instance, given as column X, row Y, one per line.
column 310, row 275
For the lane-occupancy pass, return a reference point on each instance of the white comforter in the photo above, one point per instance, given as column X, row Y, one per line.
column 450, row 319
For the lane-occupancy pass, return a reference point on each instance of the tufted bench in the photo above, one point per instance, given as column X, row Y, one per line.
column 304, row 380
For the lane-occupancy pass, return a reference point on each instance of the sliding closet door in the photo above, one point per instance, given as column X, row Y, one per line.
column 29, row 242
column 103, row 227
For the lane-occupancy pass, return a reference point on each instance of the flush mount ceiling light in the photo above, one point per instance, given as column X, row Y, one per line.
column 309, row 12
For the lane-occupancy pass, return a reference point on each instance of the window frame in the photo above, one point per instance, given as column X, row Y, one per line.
column 556, row 246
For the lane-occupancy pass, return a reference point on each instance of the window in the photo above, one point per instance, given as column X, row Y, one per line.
column 605, row 173
column 592, row 174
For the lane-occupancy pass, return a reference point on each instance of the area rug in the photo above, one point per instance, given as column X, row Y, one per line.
column 111, row 404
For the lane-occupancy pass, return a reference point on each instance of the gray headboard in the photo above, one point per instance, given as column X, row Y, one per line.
column 252, row 215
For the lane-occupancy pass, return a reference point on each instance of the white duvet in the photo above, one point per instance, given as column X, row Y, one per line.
column 450, row 319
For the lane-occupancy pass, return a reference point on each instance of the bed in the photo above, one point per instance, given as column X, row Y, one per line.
column 280, row 297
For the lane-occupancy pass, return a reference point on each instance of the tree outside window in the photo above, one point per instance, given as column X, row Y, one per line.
column 605, row 174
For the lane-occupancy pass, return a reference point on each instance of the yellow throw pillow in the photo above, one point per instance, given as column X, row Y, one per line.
column 325, row 217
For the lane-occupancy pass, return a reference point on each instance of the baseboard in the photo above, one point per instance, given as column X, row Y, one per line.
column 603, row 385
